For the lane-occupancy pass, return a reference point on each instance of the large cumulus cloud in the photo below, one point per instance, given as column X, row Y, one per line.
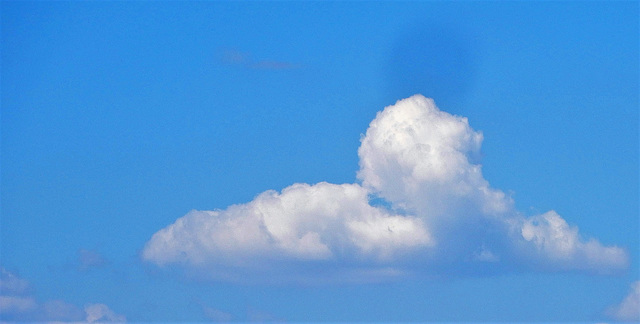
column 304, row 222
column 434, row 210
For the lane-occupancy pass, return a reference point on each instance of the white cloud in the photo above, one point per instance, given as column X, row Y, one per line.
column 89, row 259
column 16, row 305
column 305, row 222
column 629, row 308
column 58, row 310
column 12, row 284
column 486, row 255
column 13, row 295
column 559, row 244
column 244, row 59
column 425, row 164
column 256, row 315
column 322, row 222
column 420, row 158
column 102, row 313
column 216, row 315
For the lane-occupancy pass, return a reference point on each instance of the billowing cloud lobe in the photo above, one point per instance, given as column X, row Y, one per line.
column 437, row 212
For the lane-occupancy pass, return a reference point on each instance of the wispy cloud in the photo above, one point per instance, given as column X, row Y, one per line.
column 12, row 284
column 216, row 315
column 256, row 315
column 244, row 59
column 629, row 309
column 439, row 213
column 89, row 259
column 16, row 304
column 102, row 313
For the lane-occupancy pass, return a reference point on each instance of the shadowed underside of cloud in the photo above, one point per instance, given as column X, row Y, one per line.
column 438, row 214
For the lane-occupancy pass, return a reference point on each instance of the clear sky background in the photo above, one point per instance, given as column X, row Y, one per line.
column 120, row 117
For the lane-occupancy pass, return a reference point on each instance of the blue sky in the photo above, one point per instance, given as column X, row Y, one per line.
column 119, row 118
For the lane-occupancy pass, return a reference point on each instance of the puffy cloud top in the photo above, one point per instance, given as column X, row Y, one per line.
column 419, row 157
column 439, row 210
column 304, row 222
column 102, row 313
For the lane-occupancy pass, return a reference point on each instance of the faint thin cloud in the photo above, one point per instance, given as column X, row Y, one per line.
column 17, row 305
column 12, row 284
column 89, row 259
column 216, row 315
column 245, row 60
column 274, row 65
column 231, row 56
column 255, row 315
column 629, row 309
column 102, row 313
column 213, row 314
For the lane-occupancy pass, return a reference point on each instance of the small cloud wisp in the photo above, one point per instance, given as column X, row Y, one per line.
column 17, row 305
column 629, row 309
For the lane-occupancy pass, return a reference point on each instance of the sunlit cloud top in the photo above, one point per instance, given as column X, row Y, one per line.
column 422, row 205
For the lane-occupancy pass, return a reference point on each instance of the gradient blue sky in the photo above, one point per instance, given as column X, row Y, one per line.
column 120, row 117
